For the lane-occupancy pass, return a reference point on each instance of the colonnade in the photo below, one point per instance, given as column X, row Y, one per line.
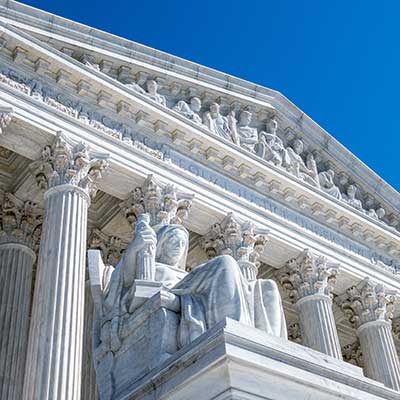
column 49, row 343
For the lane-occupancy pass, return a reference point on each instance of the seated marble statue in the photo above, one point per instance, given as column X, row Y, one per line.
column 152, row 92
column 351, row 199
column 271, row 146
column 327, row 184
column 209, row 293
column 248, row 137
column 221, row 125
column 191, row 110
column 306, row 171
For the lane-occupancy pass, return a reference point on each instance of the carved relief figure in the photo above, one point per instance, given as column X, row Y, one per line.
column 191, row 110
column 248, row 137
column 152, row 92
column 307, row 172
column 220, row 125
column 379, row 213
column 271, row 146
column 351, row 199
column 134, row 86
column 327, row 184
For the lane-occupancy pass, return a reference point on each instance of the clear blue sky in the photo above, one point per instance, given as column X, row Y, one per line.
column 338, row 60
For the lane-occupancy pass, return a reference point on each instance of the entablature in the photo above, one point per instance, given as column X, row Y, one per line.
column 290, row 231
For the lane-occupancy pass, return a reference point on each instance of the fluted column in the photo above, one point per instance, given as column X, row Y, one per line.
column 19, row 222
column 369, row 308
column 310, row 280
column 54, row 359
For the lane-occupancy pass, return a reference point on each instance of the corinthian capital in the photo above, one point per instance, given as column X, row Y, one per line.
column 308, row 275
column 69, row 163
column 366, row 302
column 20, row 221
column 6, row 114
column 163, row 202
column 352, row 354
column 239, row 239
column 111, row 247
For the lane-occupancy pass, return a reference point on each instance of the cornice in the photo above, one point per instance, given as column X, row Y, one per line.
column 54, row 28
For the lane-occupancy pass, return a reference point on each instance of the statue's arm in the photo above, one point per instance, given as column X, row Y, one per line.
column 145, row 237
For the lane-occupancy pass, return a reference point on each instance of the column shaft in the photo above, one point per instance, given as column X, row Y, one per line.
column 54, row 359
column 16, row 262
column 318, row 326
column 379, row 352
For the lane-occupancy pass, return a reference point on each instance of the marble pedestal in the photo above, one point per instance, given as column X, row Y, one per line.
column 234, row 361
column 148, row 338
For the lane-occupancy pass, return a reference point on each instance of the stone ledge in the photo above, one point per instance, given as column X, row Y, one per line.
column 235, row 361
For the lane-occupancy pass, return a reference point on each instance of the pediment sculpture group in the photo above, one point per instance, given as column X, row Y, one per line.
column 265, row 143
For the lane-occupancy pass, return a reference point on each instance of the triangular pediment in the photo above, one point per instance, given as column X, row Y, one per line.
column 107, row 76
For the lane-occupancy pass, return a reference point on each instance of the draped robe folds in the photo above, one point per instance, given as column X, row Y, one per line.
column 218, row 289
column 220, row 126
column 328, row 186
column 248, row 137
column 208, row 294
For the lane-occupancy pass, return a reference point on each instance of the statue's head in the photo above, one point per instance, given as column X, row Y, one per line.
column 298, row 146
column 214, row 108
column 351, row 191
column 172, row 245
column 380, row 212
column 195, row 104
column 245, row 117
column 330, row 173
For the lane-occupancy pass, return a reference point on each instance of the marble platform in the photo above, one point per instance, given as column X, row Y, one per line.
column 233, row 361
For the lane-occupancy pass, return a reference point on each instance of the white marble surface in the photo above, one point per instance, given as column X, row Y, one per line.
column 16, row 263
column 234, row 362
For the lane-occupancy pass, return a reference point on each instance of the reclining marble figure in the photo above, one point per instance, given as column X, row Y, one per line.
column 209, row 293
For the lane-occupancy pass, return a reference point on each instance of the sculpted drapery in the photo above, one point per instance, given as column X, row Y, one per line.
column 209, row 293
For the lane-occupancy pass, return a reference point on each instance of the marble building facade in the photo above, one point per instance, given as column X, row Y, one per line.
column 169, row 231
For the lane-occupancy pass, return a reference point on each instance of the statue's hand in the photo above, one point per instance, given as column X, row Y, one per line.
column 146, row 237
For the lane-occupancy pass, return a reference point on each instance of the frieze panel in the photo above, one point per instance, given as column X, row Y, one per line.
column 280, row 210
column 120, row 131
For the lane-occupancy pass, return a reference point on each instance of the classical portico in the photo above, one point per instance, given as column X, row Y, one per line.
column 101, row 146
